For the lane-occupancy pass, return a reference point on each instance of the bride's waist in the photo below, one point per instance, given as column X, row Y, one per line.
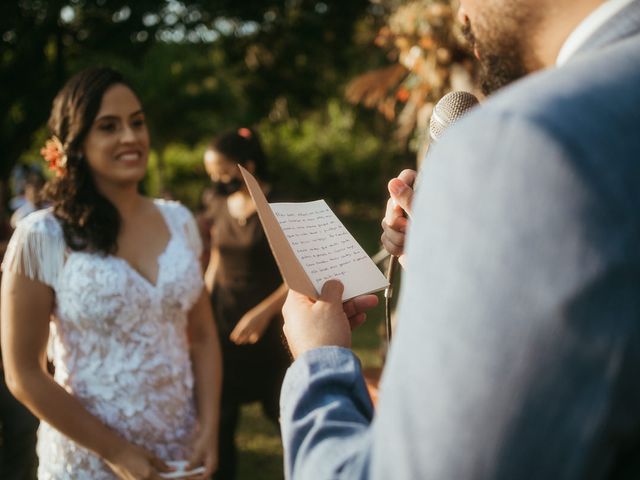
column 163, row 380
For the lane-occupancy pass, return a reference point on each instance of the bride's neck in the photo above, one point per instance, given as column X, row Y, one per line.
column 125, row 198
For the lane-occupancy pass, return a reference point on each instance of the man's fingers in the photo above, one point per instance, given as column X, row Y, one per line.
column 402, row 194
column 392, row 248
column 360, row 304
column 392, row 212
column 365, row 302
column 408, row 176
column 332, row 291
column 401, row 197
column 397, row 224
column 394, row 235
column 392, row 240
column 349, row 308
column 357, row 320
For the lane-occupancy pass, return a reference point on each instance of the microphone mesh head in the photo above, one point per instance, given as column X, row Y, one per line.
column 448, row 110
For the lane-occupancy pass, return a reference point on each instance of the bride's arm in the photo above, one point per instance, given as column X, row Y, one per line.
column 207, row 369
column 26, row 307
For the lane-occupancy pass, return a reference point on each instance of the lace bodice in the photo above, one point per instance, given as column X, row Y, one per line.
column 119, row 343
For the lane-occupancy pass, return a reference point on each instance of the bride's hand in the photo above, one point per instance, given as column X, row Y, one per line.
column 134, row 463
column 205, row 453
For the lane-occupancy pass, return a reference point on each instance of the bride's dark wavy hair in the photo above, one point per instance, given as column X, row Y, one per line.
column 89, row 220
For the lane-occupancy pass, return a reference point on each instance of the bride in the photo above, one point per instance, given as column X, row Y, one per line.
column 109, row 283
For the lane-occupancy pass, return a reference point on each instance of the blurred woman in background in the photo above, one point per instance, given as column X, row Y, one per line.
column 247, row 292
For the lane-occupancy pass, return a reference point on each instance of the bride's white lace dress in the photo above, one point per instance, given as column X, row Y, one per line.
column 118, row 342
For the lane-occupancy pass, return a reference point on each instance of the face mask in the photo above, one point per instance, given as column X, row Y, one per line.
column 227, row 188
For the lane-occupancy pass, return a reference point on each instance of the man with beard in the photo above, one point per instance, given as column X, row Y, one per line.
column 518, row 349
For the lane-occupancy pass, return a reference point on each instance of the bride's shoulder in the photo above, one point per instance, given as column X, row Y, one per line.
column 37, row 247
column 40, row 222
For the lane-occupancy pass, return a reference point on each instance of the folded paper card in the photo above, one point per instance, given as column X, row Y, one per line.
column 311, row 245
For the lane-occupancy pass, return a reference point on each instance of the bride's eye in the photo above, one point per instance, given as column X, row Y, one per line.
column 138, row 122
column 107, row 126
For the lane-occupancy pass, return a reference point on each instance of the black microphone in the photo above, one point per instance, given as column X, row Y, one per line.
column 447, row 111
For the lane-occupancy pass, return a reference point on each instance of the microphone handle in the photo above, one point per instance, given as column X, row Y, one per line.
column 392, row 267
column 446, row 112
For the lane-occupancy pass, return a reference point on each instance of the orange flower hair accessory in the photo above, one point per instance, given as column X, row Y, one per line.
column 53, row 153
column 244, row 132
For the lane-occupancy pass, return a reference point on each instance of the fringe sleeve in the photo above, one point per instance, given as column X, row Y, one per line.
column 36, row 249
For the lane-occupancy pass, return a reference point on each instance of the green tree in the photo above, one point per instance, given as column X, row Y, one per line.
column 296, row 50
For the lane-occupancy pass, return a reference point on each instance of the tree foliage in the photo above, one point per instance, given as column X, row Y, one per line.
column 199, row 67
column 428, row 57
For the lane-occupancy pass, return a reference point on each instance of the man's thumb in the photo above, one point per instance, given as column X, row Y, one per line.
column 401, row 194
column 332, row 291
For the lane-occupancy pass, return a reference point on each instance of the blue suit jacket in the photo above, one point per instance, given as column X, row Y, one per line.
column 517, row 353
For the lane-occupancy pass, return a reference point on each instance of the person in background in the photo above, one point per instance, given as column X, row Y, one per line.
column 17, row 180
column 518, row 344
column 246, row 288
column 33, row 201
column 18, row 426
column 109, row 283
column 5, row 223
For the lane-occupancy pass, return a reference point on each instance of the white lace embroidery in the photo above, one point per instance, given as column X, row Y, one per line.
column 119, row 344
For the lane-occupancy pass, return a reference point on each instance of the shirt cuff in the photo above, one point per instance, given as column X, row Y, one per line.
column 319, row 367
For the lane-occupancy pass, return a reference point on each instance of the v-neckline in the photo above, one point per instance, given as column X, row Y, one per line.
column 136, row 272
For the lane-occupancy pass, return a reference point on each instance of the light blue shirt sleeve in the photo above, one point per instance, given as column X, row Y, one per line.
column 325, row 414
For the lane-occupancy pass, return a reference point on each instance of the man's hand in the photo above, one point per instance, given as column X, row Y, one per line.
column 395, row 222
column 310, row 324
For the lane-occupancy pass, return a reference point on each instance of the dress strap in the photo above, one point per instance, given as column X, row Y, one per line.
column 182, row 223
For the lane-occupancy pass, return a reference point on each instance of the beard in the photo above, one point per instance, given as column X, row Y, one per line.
column 502, row 39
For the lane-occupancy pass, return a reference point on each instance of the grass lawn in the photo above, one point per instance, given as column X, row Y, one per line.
column 260, row 449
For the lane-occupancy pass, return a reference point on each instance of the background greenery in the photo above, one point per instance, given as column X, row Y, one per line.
column 204, row 66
